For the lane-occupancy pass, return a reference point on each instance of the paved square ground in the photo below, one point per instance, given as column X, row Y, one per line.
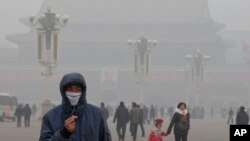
column 201, row 130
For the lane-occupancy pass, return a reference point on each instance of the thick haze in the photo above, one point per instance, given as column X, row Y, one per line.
column 10, row 13
column 152, row 52
column 233, row 13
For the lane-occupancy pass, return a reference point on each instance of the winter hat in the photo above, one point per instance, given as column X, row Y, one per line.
column 158, row 121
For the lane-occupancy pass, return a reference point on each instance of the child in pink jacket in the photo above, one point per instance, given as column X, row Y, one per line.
column 156, row 133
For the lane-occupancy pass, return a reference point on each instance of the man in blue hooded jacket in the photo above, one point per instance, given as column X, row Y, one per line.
column 74, row 119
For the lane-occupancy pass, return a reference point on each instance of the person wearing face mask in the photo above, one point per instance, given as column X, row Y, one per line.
column 74, row 119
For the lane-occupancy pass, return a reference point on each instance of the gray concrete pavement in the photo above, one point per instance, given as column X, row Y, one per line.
column 205, row 130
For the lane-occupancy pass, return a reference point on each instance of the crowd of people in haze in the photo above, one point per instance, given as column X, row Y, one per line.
column 136, row 116
column 75, row 119
column 24, row 111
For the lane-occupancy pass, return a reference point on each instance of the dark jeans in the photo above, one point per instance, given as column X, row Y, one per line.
column 19, row 121
column 27, row 121
column 121, row 131
column 181, row 137
column 133, row 130
column 142, row 129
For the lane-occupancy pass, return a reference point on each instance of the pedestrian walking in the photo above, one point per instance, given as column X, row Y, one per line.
column 34, row 110
column 18, row 114
column 152, row 114
column 27, row 115
column 230, row 116
column 121, row 118
column 145, row 114
column 105, row 111
column 242, row 117
column 141, row 122
column 180, row 122
column 134, row 120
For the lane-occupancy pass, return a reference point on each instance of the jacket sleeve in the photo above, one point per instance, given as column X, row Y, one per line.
column 171, row 124
column 104, row 131
column 47, row 134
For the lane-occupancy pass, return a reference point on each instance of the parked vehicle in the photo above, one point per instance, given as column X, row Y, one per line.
column 8, row 105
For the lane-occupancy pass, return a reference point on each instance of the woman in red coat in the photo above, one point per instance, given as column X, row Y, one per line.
column 156, row 133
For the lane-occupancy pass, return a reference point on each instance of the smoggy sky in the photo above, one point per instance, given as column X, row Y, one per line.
column 235, row 14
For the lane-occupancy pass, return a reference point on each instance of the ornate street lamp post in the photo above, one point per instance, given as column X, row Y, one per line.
column 142, row 60
column 197, row 72
column 48, row 42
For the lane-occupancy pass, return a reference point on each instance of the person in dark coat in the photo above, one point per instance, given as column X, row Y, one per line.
column 134, row 120
column 141, row 122
column 242, row 117
column 27, row 115
column 180, row 122
column 34, row 109
column 122, row 118
column 145, row 114
column 18, row 114
column 74, row 119
column 230, row 116
column 152, row 114
column 105, row 111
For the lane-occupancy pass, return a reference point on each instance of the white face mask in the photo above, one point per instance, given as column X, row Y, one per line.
column 73, row 97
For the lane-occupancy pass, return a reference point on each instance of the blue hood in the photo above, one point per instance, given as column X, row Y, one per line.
column 72, row 79
column 90, row 124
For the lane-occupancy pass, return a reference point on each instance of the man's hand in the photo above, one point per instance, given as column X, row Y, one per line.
column 70, row 123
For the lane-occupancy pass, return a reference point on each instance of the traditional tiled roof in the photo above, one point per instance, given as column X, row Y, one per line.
column 131, row 11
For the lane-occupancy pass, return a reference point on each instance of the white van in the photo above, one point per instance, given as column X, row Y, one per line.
column 8, row 105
